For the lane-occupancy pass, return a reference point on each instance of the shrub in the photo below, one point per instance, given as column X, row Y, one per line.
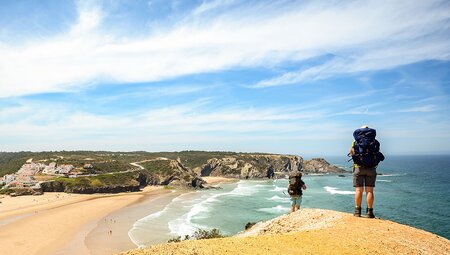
column 198, row 235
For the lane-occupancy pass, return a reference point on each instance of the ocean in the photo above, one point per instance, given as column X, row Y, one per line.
column 413, row 190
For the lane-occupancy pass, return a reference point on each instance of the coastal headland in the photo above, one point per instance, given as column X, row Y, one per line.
column 314, row 231
column 87, row 201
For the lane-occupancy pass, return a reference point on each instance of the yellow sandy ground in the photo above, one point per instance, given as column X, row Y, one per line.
column 314, row 231
column 42, row 224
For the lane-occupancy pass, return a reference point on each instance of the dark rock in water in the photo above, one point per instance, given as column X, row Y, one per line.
column 249, row 225
column 270, row 172
column 198, row 183
column 341, row 175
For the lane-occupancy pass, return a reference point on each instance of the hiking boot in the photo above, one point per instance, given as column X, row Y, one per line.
column 369, row 213
column 357, row 212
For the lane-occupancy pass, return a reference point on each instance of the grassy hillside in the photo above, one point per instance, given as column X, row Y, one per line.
column 102, row 180
column 107, row 162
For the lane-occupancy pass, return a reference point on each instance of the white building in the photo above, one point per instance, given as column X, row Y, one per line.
column 8, row 178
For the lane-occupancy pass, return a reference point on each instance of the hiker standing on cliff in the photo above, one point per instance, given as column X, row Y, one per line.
column 295, row 187
column 366, row 155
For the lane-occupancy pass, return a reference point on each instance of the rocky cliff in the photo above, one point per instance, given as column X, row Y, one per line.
column 260, row 166
column 320, row 165
column 174, row 172
column 155, row 172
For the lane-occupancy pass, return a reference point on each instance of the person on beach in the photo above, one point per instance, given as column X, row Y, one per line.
column 366, row 155
column 295, row 190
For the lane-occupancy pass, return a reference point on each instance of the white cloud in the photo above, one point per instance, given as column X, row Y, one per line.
column 48, row 127
column 424, row 108
column 371, row 35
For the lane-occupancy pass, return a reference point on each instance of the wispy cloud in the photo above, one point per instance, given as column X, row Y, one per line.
column 195, row 121
column 424, row 108
column 243, row 37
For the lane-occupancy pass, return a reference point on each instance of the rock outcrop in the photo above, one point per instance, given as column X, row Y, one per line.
column 314, row 231
column 260, row 166
column 320, row 165
column 174, row 174
column 59, row 186
column 164, row 171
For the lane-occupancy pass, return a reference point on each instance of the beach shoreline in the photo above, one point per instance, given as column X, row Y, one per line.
column 67, row 220
column 80, row 223
column 214, row 180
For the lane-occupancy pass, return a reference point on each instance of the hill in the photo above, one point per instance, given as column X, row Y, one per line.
column 110, row 172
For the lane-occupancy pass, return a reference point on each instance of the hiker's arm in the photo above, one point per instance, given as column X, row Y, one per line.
column 304, row 186
column 352, row 151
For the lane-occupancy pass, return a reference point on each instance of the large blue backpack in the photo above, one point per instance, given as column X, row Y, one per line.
column 366, row 150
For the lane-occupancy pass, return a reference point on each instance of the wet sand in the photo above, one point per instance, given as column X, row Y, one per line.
column 60, row 223
column 216, row 179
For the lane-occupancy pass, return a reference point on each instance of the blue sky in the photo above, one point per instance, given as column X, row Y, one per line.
column 257, row 76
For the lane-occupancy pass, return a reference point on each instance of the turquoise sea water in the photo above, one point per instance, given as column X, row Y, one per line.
column 413, row 190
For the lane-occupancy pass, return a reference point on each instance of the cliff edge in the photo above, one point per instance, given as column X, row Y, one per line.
column 314, row 231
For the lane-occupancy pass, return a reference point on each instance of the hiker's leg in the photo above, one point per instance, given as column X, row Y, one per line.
column 293, row 203
column 369, row 197
column 297, row 207
column 358, row 196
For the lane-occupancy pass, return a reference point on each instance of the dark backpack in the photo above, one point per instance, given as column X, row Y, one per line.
column 295, row 184
column 366, row 150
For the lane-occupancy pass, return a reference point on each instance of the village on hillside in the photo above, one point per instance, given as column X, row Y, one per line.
column 26, row 176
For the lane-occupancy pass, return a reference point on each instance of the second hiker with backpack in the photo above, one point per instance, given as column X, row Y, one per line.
column 295, row 187
column 366, row 155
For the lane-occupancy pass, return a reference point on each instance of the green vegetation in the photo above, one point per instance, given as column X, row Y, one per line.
column 111, row 166
column 101, row 180
column 109, row 162
column 158, row 167
column 6, row 191
column 10, row 162
column 198, row 235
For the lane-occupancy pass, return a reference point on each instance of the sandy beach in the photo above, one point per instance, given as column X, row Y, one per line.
column 213, row 180
column 79, row 223
column 61, row 223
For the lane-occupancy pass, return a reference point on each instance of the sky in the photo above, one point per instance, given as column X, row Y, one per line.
column 290, row 77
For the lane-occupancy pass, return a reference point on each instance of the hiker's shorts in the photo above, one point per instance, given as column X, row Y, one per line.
column 296, row 200
column 364, row 177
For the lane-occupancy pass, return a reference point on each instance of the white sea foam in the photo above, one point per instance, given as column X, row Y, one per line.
column 275, row 210
column 243, row 190
column 390, row 175
column 384, row 180
column 150, row 217
column 334, row 191
column 278, row 189
column 183, row 225
column 279, row 199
